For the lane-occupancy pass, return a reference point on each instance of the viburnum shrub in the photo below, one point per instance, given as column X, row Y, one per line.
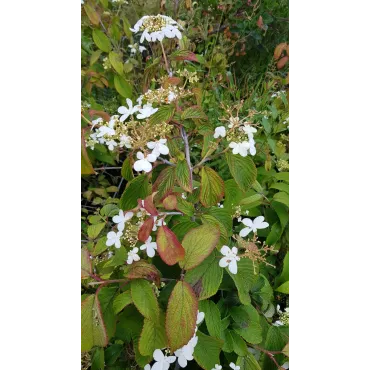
column 186, row 264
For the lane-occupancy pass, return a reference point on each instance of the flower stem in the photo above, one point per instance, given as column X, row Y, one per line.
column 165, row 58
column 187, row 155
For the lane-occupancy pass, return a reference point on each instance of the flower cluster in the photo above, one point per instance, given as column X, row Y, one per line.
column 157, row 27
column 166, row 95
column 283, row 317
column 190, row 76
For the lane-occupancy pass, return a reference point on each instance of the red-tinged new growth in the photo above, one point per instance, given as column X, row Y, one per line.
column 169, row 248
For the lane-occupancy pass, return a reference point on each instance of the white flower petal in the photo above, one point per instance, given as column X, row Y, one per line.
column 233, row 267
column 224, row 261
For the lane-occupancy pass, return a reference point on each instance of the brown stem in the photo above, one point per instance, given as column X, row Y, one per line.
column 165, row 59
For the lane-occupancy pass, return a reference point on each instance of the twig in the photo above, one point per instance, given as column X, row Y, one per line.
column 270, row 354
column 170, row 213
column 166, row 161
column 165, row 59
column 107, row 168
column 187, row 155
column 119, row 187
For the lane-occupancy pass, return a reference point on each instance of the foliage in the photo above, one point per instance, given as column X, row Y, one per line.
column 185, row 184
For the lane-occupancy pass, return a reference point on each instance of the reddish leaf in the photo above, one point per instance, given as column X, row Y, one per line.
column 149, row 206
column 86, row 166
column 184, row 55
column 169, row 248
column 170, row 202
column 86, row 264
column 143, row 270
column 260, row 22
column 146, row 229
column 279, row 49
column 99, row 113
column 281, row 63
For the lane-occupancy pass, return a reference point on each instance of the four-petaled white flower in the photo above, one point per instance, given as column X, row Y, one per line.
column 121, row 219
column 217, row 367
column 96, row 122
column 146, row 111
column 133, row 256
column 149, row 246
column 162, row 362
column 159, row 147
column 240, row 148
column 200, row 317
column 127, row 111
column 257, row 223
column 250, row 130
column 125, row 141
column 143, row 163
column 114, row 238
column 219, row 132
column 111, row 144
column 185, row 354
column 233, row 366
column 230, row 258
column 105, row 130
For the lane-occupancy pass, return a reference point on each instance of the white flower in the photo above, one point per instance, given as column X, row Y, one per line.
column 219, row 131
column 285, row 365
column 139, row 100
column 105, row 130
column 143, row 163
column 171, row 96
column 158, row 223
column 159, row 147
column 114, row 238
column 257, row 223
column 125, row 141
column 233, row 366
column 248, row 129
column 127, row 111
column 133, row 256
column 147, row 367
column 200, row 317
column 217, row 367
column 184, row 354
column 183, row 196
column 142, row 48
column 156, row 28
column 240, row 148
column 96, row 122
column 230, row 258
column 252, row 148
column 113, row 121
column 111, row 144
column 121, row 219
column 149, row 246
column 162, row 362
column 146, row 111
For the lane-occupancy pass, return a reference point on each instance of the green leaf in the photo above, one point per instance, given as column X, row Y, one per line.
column 199, row 244
column 212, row 187
column 106, row 297
column 228, row 341
column 284, row 276
column 252, row 201
column 207, row 351
column 94, row 57
column 165, row 182
column 210, row 220
column 144, row 299
column 242, row 169
column 86, row 166
column 92, row 14
column 163, row 114
column 101, row 40
column 143, row 270
column 183, row 175
column 240, row 347
column 109, row 210
column 183, row 55
column 153, row 336
column 247, row 323
column 206, row 278
column 97, row 361
column 100, row 246
column 181, row 315
column 126, row 170
column 224, row 217
column 233, row 195
column 193, row 113
column 122, row 86
column 93, row 331
column 121, row 301
column 275, row 234
column 185, row 207
column 248, row 362
column 244, row 279
column 282, row 212
column 93, row 231
column 280, row 186
column 169, row 248
column 281, row 197
column 116, row 61
column 284, row 288
column 212, row 316
column 137, row 188
column 283, row 176
column 275, row 341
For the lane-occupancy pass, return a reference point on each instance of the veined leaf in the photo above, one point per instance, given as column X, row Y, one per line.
column 93, row 231
column 284, row 288
column 143, row 269
column 248, row 362
column 163, row 114
column 122, row 86
column 199, row 244
column 281, row 197
column 211, row 188
column 93, row 332
column 165, row 182
column 185, row 207
column 170, row 202
column 183, row 55
column 169, row 248
column 206, row 278
column 86, row 166
column 181, row 315
column 116, row 61
column 92, row 13
column 101, row 40
column 86, row 265
column 193, row 113
column 212, row 316
column 242, row 169
column 145, row 229
column 126, row 170
column 240, row 347
column 106, row 297
column 121, row 301
column 137, row 188
column 144, row 299
column 207, row 351
column 183, row 175
column 153, row 336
